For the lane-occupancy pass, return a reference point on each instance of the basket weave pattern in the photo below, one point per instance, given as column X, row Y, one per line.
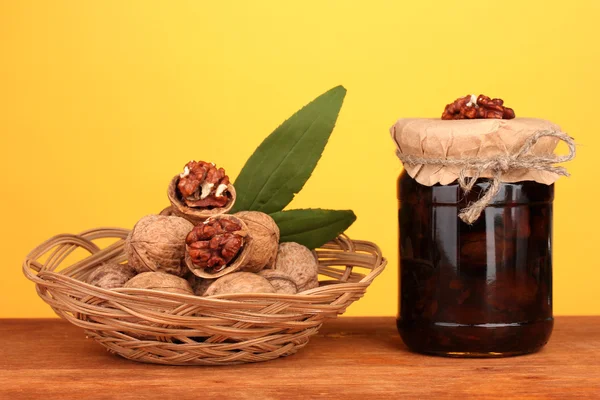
column 176, row 329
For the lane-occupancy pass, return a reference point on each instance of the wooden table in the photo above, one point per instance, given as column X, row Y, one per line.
column 351, row 358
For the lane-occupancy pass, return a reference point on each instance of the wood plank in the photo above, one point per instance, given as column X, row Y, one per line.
column 351, row 358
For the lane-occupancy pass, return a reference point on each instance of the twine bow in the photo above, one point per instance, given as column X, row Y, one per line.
column 498, row 165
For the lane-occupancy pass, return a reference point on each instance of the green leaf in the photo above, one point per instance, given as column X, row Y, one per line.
column 285, row 160
column 312, row 227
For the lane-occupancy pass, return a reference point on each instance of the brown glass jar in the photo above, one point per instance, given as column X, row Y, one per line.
column 481, row 290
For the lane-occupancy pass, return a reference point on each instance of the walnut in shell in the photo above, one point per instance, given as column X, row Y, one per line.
column 230, row 243
column 282, row 282
column 201, row 191
column 111, row 275
column 265, row 236
column 160, row 281
column 240, row 282
column 300, row 264
column 157, row 243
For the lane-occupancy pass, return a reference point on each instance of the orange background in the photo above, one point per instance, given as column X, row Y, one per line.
column 101, row 103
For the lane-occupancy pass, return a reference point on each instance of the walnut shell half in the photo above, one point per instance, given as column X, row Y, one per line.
column 240, row 282
column 196, row 215
column 258, row 249
column 160, row 281
column 157, row 243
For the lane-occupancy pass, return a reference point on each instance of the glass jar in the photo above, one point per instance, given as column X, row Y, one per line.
column 481, row 290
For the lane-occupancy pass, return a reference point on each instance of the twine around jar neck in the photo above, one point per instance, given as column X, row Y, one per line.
column 499, row 165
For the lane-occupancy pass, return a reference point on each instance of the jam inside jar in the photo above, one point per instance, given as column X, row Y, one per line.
column 480, row 290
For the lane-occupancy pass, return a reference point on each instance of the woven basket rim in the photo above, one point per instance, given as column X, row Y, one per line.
column 45, row 277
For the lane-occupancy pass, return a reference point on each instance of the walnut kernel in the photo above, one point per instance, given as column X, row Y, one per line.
column 481, row 107
column 201, row 191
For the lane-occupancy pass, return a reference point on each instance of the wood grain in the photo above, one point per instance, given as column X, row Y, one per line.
column 351, row 358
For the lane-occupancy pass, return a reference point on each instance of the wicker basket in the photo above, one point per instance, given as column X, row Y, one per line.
column 176, row 329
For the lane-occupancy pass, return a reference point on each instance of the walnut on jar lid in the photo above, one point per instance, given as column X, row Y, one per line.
column 228, row 243
column 201, row 191
column 477, row 107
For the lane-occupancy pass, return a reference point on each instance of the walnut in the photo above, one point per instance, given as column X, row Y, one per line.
column 111, row 275
column 300, row 264
column 240, row 282
column 282, row 282
column 471, row 107
column 228, row 243
column 157, row 243
column 200, row 192
column 160, row 281
column 265, row 237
